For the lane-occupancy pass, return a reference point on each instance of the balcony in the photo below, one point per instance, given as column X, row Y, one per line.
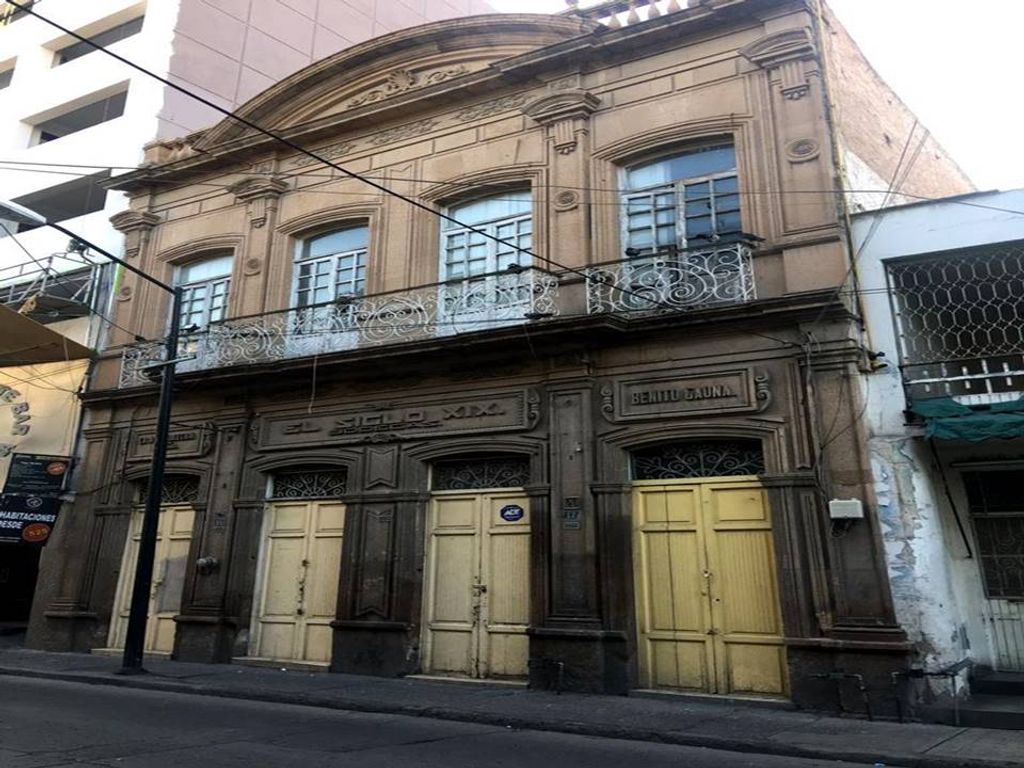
column 681, row 281
column 960, row 324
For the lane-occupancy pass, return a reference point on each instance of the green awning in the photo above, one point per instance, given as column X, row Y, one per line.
column 946, row 419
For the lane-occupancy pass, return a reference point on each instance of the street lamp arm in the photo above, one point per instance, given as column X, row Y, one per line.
column 22, row 215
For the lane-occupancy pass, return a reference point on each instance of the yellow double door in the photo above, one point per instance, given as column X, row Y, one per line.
column 477, row 585
column 170, row 564
column 298, row 593
column 708, row 615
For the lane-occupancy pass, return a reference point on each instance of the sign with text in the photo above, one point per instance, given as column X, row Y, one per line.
column 190, row 442
column 29, row 519
column 33, row 474
column 676, row 395
column 444, row 415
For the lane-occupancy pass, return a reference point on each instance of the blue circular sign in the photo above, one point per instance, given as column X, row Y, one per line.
column 511, row 513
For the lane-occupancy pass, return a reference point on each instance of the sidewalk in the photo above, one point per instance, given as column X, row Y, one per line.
column 725, row 725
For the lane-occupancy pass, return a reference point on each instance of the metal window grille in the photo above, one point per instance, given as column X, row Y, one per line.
column 959, row 323
column 997, row 513
column 468, row 474
column 705, row 458
column 177, row 489
column 309, row 484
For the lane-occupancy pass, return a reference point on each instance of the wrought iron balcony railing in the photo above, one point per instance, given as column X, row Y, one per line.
column 423, row 313
column 674, row 279
column 679, row 281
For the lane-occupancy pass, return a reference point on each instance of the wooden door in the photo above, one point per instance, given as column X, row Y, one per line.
column 299, row 580
column 170, row 564
column 476, row 592
column 707, row 600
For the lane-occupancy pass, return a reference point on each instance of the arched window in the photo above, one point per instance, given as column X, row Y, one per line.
column 176, row 489
column 331, row 266
column 699, row 458
column 507, row 216
column 474, row 472
column 205, row 287
column 324, row 483
column 686, row 199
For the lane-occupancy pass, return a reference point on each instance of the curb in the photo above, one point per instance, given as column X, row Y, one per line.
column 745, row 746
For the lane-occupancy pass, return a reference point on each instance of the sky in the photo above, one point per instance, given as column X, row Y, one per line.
column 958, row 65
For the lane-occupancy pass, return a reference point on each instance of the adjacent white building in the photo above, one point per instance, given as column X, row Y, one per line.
column 942, row 290
column 69, row 113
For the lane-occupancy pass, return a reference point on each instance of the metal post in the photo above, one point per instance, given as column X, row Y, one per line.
column 135, row 637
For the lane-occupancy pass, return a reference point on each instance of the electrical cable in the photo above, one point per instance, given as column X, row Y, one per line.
column 413, row 179
column 309, row 153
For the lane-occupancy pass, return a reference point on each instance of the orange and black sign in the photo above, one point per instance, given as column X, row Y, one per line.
column 29, row 519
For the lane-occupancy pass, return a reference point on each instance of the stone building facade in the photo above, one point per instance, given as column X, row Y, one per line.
column 580, row 428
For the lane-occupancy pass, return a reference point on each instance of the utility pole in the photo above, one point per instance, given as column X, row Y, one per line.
column 135, row 638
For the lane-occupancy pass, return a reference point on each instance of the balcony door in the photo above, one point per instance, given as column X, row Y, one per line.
column 330, row 277
column 481, row 285
column 205, row 289
column 681, row 228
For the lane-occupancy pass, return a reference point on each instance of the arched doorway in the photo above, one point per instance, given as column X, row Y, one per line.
column 707, row 601
column 300, row 563
column 170, row 562
column 476, row 600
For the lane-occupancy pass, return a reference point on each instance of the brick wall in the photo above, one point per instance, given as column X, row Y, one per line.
column 874, row 124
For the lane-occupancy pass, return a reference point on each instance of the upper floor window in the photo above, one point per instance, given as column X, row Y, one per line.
column 80, row 118
column 685, row 199
column 205, row 286
column 108, row 37
column 507, row 216
column 6, row 74
column 66, row 201
column 331, row 266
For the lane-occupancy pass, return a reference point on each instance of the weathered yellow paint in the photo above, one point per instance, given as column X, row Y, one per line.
column 477, row 590
column 299, row 584
column 170, row 564
column 707, row 599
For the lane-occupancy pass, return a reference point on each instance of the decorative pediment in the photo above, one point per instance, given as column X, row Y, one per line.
column 135, row 226
column 785, row 54
column 566, row 113
column 261, row 193
column 391, row 72
column 787, row 45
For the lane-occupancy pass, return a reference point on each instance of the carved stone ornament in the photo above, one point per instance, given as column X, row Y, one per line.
column 567, row 200
column 135, row 226
column 802, row 150
column 402, row 80
column 784, row 55
column 567, row 115
column 407, row 131
column 330, row 152
column 608, row 402
column 261, row 194
column 488, row 108
column 762, row 391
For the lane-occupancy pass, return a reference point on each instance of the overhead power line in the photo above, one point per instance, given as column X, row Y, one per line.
column 329, row 163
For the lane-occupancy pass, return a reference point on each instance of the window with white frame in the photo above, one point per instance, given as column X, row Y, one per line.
column 686, row 199
column 331, row 266
column 205, row 285
column 507, row 216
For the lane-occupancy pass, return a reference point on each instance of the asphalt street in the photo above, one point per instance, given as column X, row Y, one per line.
column 50, row 724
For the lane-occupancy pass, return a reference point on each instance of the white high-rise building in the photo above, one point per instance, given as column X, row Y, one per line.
column 69, row 113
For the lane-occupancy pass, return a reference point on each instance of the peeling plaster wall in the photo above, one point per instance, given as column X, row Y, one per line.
column 936, row 583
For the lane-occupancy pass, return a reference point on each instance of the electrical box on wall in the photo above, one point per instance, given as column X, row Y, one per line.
column 846, row 509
